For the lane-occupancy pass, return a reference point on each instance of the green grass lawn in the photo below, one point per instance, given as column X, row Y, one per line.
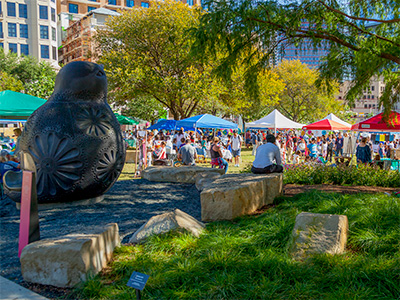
column 248, row 257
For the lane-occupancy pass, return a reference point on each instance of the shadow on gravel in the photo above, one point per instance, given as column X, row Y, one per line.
column 129, row 203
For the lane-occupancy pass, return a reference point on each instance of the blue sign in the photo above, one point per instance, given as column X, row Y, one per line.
column 138, row 280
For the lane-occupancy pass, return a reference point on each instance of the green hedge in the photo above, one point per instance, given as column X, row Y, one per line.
column 352, row 175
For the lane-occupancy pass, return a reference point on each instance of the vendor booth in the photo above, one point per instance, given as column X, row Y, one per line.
column 378, row 124
column 18, row 106
column 274, row 120
column 205, row 121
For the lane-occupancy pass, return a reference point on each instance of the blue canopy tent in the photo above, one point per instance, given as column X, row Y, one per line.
column 163, row 124
column 206, row 121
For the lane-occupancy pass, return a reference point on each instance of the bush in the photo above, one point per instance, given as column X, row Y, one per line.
column 351, row 175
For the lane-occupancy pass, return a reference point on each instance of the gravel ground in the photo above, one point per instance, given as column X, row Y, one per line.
column 129, row 203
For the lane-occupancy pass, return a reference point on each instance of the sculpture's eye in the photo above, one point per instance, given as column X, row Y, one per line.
column 100, row 73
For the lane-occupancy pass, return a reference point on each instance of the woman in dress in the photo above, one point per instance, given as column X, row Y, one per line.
column 363, row 152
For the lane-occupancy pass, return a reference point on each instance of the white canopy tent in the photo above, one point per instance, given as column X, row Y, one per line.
column 333, row 117
column 274, row 120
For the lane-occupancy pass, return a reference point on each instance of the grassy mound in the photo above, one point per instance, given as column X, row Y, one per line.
column 248, row 258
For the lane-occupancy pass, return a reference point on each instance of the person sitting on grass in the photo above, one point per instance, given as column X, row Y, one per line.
column 188, row 154
column 312, row 147
column 321, row 159
column 296, row 157
column 378, row 162
column 161, row 159
column 268, row 158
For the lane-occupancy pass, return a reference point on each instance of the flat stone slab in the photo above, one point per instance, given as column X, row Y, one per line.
column 173, row 220
column 183, row 174
column 68, row 260
column 318, row 233
column 12, row 291
column 234, row 195
column 205, row 179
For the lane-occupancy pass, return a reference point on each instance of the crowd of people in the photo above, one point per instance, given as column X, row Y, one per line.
column 162, row 148
column 223, row 147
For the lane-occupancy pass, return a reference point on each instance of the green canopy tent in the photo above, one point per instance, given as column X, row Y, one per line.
column 14, row 105
column 124, row 120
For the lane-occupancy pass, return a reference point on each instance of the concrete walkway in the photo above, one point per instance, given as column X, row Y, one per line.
column 12, row 291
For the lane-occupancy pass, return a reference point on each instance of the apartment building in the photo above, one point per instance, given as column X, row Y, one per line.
column 29, row 27
column 70, row 11
column 79, row 44
column 79, row 19
column 368, row 103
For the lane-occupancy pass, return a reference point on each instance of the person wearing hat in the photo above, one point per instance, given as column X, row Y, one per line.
column 268, row 158
column 236, row 144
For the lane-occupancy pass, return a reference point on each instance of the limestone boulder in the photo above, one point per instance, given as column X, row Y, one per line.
column 173, row 220
column 183, row 174
column 235, row 195
column 318, row 233
column 205, row 179
column 68, row 260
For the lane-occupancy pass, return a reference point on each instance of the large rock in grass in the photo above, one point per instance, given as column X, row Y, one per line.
column 318, row 233
column 235, row 195
column 173, row 220
column 183, row 174
column 66, row 261
column 205, row 179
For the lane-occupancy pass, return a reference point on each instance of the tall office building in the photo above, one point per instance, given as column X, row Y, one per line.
column 29, row 27
column 306, row 53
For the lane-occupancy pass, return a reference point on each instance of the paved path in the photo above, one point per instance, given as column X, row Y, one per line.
column 12, row 291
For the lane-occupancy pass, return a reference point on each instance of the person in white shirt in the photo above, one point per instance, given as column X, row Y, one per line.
column 236, row 144
column 268, row 158
column 296, row 157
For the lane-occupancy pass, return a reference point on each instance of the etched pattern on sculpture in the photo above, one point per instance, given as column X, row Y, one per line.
column 93, row 122
column 109, row 166
column 57, row 162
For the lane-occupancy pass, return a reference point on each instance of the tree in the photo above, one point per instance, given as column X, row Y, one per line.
column 145, row 53
column 301, row 100
column 362, row 37
column 238, row 100
column 8, row 82
column 37, row 78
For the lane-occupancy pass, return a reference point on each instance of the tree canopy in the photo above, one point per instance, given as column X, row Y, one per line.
column 301, row 100
column 26, row 74
column 146, row 54
column 363, row 38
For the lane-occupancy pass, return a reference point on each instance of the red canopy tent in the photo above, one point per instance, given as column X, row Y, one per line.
column 326, row 124
column 376, row 123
